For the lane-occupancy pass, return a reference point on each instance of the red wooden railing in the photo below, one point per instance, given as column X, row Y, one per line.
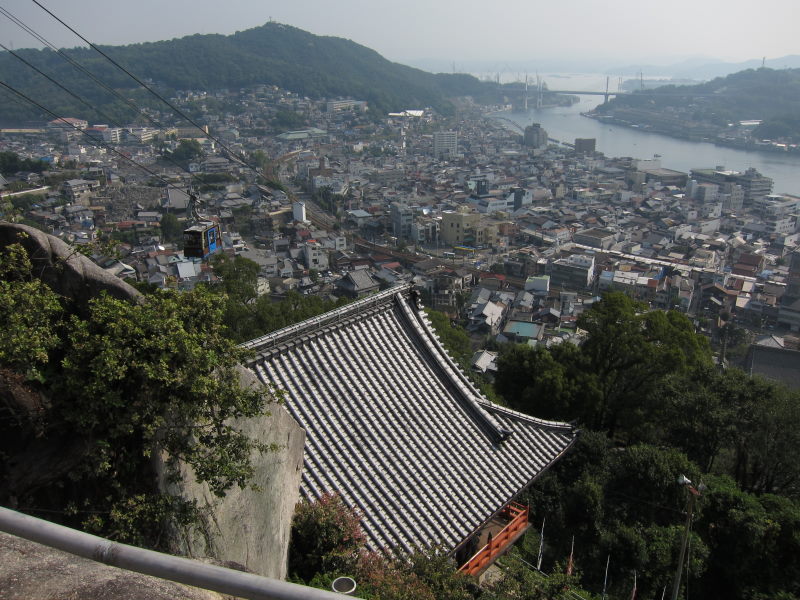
column 517, row 515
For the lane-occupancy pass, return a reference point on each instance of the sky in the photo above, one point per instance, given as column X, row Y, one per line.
column 466, row 34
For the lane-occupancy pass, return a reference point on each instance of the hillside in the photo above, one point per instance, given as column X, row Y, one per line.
column 275, row 54
column 706, row 110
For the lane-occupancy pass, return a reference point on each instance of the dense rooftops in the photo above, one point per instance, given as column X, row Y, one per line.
column 396, row 428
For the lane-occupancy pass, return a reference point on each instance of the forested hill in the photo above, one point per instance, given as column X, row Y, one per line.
column 770, row 95
column 274, row 53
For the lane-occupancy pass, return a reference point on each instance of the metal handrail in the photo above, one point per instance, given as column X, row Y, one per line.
column 157, row 564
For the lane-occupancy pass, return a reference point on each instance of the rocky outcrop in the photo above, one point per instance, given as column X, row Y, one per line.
column 251, row 526
column 65, row 271
column 248, row 526
column 31, row 571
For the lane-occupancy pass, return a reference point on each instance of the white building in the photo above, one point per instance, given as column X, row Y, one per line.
column 315, row 256
column 445, row 144
column 299, row 211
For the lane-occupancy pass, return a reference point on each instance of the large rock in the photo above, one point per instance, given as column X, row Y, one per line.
column 66, row 271
column 31, row 571
column 252, row 526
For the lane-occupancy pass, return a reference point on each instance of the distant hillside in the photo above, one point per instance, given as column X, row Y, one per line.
column 704, row 68
column 275, row 54
column 772, row 96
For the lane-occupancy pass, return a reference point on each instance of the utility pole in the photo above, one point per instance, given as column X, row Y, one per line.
column 694, row 493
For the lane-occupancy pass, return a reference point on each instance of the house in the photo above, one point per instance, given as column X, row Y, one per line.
column 486, row 317
column 357, row 284
column 176, row 200
column 401, row 434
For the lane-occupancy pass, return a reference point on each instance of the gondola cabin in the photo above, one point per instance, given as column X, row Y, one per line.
column 201, row 240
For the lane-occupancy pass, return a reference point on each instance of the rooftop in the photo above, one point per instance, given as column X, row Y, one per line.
column 396, row 428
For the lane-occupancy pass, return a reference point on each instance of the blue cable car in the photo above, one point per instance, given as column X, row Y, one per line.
column 201, row 240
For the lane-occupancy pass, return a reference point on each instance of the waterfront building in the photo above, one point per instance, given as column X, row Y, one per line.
column 585, row 145
column 754, row 185
column 535, row 136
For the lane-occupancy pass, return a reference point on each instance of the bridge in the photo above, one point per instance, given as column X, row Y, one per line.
column 536, row 93
column 540, row 89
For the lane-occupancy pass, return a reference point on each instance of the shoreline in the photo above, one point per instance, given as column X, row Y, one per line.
column 722, row 143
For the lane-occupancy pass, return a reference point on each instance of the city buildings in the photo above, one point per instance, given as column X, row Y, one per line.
column 445, row 144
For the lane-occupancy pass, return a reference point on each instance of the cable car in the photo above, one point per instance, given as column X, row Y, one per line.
column 201, row 240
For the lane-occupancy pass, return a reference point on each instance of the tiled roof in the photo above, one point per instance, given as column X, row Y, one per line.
column 395, row 427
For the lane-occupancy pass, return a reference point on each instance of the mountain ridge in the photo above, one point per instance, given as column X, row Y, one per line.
column 272, row 54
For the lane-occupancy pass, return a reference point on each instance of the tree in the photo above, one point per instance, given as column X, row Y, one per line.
column 29, row 315
column 239, row 277
column 454, row 338
column 187, row 151
column 171, row 228
column 630, row 352
column 110, row 392
column 611, row 381
column 157, row 376
column 326, row 536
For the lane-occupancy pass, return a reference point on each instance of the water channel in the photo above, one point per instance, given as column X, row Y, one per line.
column 566, row 124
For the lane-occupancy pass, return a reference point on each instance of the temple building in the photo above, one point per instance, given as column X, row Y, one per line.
column 401, row 433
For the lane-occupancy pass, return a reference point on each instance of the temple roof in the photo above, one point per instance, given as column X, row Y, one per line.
column 396, row 428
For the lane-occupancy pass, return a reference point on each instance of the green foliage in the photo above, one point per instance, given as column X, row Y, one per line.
column 327, row 541
column 144, row 519
column 29, row 314
column 646, row 377
column 521, row 582
column 610, row 382
column 239, row 277
column 160, row 375
column 326, row 537
column 187, row 151
column 454, row 338
column 171, row 228
column 273, row 54
column 754, row 541
column 769, row 94
column 127, row 385
column 288, row 119
column 214, row 178
column 619, row 502
column 247, row 315
column 11, row 163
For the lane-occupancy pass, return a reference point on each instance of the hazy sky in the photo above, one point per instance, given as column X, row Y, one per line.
column 463, row 31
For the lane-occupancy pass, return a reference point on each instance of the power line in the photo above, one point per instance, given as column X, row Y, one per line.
column 21, row 24
column 138, row 110
column 92, row 140
column 148, row 88
column 86, row 103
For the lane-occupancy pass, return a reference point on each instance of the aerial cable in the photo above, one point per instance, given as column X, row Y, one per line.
column 86, row 103
column 139, row 110
column 54, row 82
column 94, row 141
column 148, row 88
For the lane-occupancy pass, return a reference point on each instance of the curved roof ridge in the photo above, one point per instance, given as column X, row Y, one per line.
column 275, row 338
column 466, row 393
column 493, row 407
